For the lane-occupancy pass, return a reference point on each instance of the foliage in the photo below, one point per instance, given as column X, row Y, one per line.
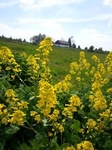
column 37, row 112
column 36, row 39
column 91, row 48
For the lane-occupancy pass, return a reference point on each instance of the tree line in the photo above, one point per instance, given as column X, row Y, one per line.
column 10, row 39
column 36, row 39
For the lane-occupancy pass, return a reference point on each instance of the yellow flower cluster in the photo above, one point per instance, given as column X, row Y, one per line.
column 85, row 145
column 45, row 47
column 7, row 58
column 88, row 88
column 13, row 111
column 80, row 71
column 74, row 104
column 83, row 63
column 47, row 98
column 33, row 66
column 91, row 124
column 38, row 64
column 64, row 85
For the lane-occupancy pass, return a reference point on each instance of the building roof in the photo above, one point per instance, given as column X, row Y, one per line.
column 62, row 42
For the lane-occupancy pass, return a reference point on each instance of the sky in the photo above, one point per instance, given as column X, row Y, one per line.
column 89, row 22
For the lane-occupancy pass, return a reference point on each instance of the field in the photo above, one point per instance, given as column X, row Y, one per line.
column 60, row 58
column 54, row 98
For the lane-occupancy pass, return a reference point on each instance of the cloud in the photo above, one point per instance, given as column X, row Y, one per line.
column 88, row 37
column 44, row 20
column 40, row 4
column 110, row 23
column 52, row 29
column 26, row 20
column 8, row 4
column 15, row 32
column 107, row 2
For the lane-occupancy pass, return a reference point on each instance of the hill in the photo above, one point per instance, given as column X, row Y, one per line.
column 60, row 58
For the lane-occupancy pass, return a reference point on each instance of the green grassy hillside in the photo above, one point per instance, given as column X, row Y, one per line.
column 60, row 58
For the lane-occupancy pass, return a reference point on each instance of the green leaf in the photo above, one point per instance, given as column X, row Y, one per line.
column 76, row 126
column 64, row 146
column 12, row 129
column 108, row 145
column 75, row 139
column 1, row 146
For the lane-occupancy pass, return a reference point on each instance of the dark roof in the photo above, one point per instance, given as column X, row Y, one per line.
column 61, row 42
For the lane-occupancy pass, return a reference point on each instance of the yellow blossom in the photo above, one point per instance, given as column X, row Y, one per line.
column 91, row 123
column 8, row 68
column 37, row 118
column 17, row 117
column 10, row 93
column 4, row 120
column 70, row 148
column 33, row 113
column 85, row 145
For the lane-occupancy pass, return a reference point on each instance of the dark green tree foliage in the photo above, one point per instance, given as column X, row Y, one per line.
column 86, row 48
column 91, row 48
column 74, row 45
column 69, row 41
column 36, row 39
column 79, row 47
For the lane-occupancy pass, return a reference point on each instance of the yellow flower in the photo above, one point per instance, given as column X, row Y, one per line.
column 50, row 134
column 61, row 128
column 109, row 90
column 4, row 120
column 70, row 108
column 105, row 114
column 85, row 145
column 33, row 66
column 47, row 97
column 37, row 118
column 95, row 58
column 24, row 104
column 33, row 113
column 1, row 106
column 54, row 115
column 8, row 68
column 91, row 123
column 78, row 79
column 82, row 54
column 17, row 117
column 70, row 148
column 10, row 93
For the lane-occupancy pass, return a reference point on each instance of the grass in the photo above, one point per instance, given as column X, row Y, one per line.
column 60, row 58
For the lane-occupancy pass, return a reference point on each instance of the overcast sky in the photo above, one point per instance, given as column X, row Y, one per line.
column 88, row 21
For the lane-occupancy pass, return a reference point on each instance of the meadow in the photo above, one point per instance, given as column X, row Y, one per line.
column 60, row 58
column 54, row 98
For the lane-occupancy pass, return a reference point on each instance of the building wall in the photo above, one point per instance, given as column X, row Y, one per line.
column 61, row 45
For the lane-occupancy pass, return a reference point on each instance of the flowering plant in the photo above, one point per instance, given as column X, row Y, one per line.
column 72, row 114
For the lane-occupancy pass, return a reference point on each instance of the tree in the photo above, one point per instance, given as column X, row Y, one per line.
column 74, row 45
column 86, row 48
column 100, row 49
column 79, row 47
column 69, row 41
column 24, row 40
column 91, row 48
column 36, row 39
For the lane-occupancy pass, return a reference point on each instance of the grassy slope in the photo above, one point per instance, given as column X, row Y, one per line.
column 60, row 58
